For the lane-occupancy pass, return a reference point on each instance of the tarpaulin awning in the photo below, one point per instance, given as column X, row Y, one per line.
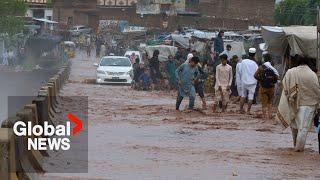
column 301, row 39
column 164, row 50
column 237, row 48
column 182, row 40
column 185, row 42
column 45, row 20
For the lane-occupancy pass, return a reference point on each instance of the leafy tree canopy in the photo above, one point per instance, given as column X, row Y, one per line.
column 296, row 12
column 11, row 12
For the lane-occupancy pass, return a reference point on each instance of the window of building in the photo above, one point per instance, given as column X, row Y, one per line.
column 116, row 2
column 36, row 1
column 226, row 3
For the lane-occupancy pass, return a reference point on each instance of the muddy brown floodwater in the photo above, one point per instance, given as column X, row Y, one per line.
column 139, row 135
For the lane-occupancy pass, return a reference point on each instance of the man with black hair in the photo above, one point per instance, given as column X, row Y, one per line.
column 145, row 80
column 267, row 76
column 170, row 70
column 228, row 52
column 199, row 83
column 300, row 96
column 218, row 43
column 187, row 74
column 224, row 78
column 249, row 83
column 154, row 65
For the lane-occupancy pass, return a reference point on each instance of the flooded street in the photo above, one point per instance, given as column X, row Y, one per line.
column 139, row 135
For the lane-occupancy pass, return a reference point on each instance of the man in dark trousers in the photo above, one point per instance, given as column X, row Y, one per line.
column 218, row 43
column 154, row 65
column 317, row 125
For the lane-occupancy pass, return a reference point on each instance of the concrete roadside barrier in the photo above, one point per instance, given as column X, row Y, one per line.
column 56, row 98
column 45, row 93
column 55, row 79
column 8, row 123
column 26, row 170
column 49, row 90
column 37, row 155
column 59, row 74
column 34, row 157
column 59, row 87
column 34, row 110
column 67, row 69
column 8, row 158
column 64, row 74
column 53, row 94
column 58, row 79
column 41, row 103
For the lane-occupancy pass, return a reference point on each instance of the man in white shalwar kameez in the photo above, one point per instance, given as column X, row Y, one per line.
column 298, row 103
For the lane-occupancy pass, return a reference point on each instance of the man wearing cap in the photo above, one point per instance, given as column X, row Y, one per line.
column 249, row 83
column 190, row 56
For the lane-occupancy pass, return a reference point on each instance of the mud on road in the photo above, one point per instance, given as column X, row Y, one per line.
column 139, row 135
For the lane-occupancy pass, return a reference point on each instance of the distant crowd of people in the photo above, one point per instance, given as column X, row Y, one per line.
column 232, row 77
column 102, row 46
column 244, row 79
column 12, row 58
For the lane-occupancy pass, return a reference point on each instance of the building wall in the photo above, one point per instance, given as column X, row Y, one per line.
column 257, row 11
column 48, row 13
column 217, row 14
column 39, row 9
column 178, row 5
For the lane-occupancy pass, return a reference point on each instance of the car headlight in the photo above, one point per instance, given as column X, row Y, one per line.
column 100, row 72
column 130, row 73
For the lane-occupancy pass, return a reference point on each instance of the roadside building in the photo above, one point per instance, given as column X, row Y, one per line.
column 39, row 9
column 206, row 14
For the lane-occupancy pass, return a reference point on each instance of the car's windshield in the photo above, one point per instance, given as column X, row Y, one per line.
column 115, row 62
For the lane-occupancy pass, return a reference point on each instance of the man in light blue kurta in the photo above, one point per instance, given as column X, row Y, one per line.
column 186, row 75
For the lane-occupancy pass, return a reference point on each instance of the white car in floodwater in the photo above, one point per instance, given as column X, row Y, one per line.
column 114, row 70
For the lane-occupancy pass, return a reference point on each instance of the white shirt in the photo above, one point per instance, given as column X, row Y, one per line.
column 223, row 76
column 10, row 55
column 268, row 64
column 247, row 71
column 238, row 75
column 228, row 53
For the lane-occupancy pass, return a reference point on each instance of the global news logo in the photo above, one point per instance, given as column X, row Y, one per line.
column 48, row 137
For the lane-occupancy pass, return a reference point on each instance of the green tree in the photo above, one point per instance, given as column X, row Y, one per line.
column 11, row 13
column 296, row 12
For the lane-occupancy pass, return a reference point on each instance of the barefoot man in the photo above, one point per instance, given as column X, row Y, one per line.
column 186, row 74
column 300, row 96
column 249, row 83
column 224, row 78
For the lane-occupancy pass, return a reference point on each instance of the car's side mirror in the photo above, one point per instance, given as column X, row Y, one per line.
column 95, row 64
